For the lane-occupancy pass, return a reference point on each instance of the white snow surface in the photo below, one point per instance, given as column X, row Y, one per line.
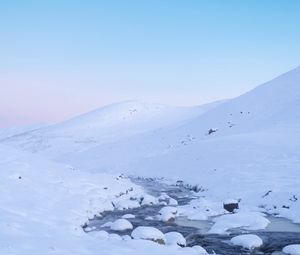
column 293, row 249
column 247, row 241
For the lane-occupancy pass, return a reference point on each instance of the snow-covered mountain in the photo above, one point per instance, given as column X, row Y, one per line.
column 241, row 148
column 246, row 149
column 104, row 126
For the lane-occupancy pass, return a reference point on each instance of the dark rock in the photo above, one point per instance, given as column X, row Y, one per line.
column 212, row 130
column 231, row 206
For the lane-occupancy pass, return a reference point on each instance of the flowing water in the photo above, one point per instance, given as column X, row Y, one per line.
column 279, row 233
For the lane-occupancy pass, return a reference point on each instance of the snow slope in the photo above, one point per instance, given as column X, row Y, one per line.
column 19, row 130
column 103, row 126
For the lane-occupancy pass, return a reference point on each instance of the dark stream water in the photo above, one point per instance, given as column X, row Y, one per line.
column 280, row 233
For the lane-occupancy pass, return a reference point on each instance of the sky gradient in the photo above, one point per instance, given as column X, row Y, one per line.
column 61, row 58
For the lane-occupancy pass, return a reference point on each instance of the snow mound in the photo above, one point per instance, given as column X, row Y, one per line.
column 102, row 235
column 149, row 233
column 175, row 238
column 149, row 200
column 124, row 204
column 293, row 249
column 167, row 213
column 245, row 220
column 126, row 238
column 121, row 225
column 173, row 202
column 164, row 196
column 115, row 237
column 247, row 241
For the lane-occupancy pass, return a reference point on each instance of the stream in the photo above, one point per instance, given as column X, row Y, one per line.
column 278, row 234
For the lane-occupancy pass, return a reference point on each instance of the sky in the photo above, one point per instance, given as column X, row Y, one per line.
column 60, row 58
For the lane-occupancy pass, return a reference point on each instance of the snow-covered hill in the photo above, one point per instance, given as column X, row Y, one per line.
column 19, row 130
column 104, row 126
column 255, row 149
column 274, row 103
column 240, row 149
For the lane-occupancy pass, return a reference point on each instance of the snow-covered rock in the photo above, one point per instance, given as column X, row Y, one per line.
column 167, row 213
column 201, row 209
column 149, row 218
column 164, row 196
column 173, row 202
column 121, row 225
column 149, row 233
column 115, row 237
column 126, row 238
column 128, row 216
column 175, row 238
column 149, row 200
column 106, row 224
column 230, row 205
column 247, row 241
column 293, row 249
column 126, row 203
column 163, row 203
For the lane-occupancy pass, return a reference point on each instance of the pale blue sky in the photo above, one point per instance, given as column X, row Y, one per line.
column 59, row 58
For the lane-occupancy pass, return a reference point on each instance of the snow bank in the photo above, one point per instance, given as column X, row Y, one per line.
column 247, row 241
column 245, row 220
column 293, row 249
